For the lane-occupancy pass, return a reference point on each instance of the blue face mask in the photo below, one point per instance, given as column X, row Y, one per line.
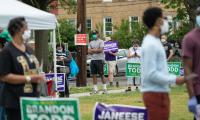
column 198, row 20
column 94, row 37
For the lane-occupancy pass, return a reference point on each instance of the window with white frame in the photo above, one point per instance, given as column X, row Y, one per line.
column 107, row 0
column 108, row 26
column 89, row 24
column 133, row 20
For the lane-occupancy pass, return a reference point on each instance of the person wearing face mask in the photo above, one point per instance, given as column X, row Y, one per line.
column 154, row 71
column 19, row 70
column 64, row 58
column 134, row 54
column 167, row 46
column 95, row 49
column 191, row 59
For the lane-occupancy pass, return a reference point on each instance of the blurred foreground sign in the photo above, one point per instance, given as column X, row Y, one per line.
column 119, row 112
column 49, row 109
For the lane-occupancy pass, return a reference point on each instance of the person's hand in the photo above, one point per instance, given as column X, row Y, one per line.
column 191, row 76
column 110, row 52
column 181, row 80
column 37, row 78
column 192, row 103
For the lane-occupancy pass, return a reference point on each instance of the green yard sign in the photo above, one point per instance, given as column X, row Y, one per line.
column 105, row 68
column 174, row 68
column 133, row 70
column 49, row 109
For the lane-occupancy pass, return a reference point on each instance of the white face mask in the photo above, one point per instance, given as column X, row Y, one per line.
column 163, row 40
column 165, row 27
column 59, row 51
column 26, row 36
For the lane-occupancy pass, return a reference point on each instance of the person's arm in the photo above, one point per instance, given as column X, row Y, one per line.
column 20, row 79
column 130, row 55
column 69, row 57
column 187, row 71
column 171, row 53
column 187, row 60
column 90, row 50
column 113, row 53
column 100, row 49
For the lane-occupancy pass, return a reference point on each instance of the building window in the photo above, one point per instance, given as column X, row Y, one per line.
column 89, row 24
column 107, row 0
column 72, row 22
column 108, row 26
column 133, row 20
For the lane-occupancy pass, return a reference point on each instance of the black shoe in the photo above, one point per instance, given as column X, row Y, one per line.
column 117, row 84
column 111, row 84
column 128, row 90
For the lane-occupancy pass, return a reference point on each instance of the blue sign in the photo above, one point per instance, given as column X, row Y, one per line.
column 60, row 80
column 119, row 112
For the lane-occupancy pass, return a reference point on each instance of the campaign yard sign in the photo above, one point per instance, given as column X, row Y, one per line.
column 105, row 69
column 118, row 112
column 133, row 70
column 49, row 109
column 60, row 80
column 80, row 39
column 174, row 68
column 110, row 46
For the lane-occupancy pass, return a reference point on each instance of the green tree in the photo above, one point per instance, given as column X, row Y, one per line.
column 185, row 9
column 42, row 35
column 125, row 36
column 66, row 32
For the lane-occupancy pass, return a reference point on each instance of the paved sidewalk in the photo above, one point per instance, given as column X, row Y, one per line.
column 77, row 95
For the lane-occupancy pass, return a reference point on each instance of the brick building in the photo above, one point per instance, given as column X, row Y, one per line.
column 108, row 12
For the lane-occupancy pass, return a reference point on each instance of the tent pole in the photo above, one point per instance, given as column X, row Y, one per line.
column 54, row 57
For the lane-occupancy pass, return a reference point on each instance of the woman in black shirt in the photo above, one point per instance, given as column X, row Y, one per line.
column 18, row 70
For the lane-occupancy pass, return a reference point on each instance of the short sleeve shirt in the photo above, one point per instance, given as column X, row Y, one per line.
column 191, row 49
column 14, row 61
column 96, row 44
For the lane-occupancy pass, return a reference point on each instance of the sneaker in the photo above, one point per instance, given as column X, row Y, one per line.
column 105, row 91
column 128, row 90
column 94, row 92
column 117, row 84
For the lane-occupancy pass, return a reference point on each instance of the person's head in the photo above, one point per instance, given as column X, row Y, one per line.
column 60, row 47
column 18, row 29
column 108, row 39
column 95, row 35
column 163, row 38
column 135, row 43
column 154, row 21
column 198, row 16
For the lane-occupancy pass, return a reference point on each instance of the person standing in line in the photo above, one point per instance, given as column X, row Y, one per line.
column 18, row 70
column 110, row 57
column 95, row 49
column 191, row 59
column 134, row 54
column 154, row 71
column 168, row 48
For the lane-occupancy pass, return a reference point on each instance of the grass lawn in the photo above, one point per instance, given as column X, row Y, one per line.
column 178, row 103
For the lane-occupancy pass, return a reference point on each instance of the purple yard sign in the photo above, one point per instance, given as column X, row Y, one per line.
column 119, row 112
column 60, row 80
column 110, row 46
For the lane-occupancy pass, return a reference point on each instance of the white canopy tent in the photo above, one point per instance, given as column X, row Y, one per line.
column 36, row 19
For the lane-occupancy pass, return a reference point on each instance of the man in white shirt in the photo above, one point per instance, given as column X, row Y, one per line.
column 154, row 71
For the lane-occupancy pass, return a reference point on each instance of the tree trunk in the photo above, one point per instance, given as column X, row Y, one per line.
column 41, row 40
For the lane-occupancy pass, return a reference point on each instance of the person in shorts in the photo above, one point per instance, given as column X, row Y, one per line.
column 95, row 50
